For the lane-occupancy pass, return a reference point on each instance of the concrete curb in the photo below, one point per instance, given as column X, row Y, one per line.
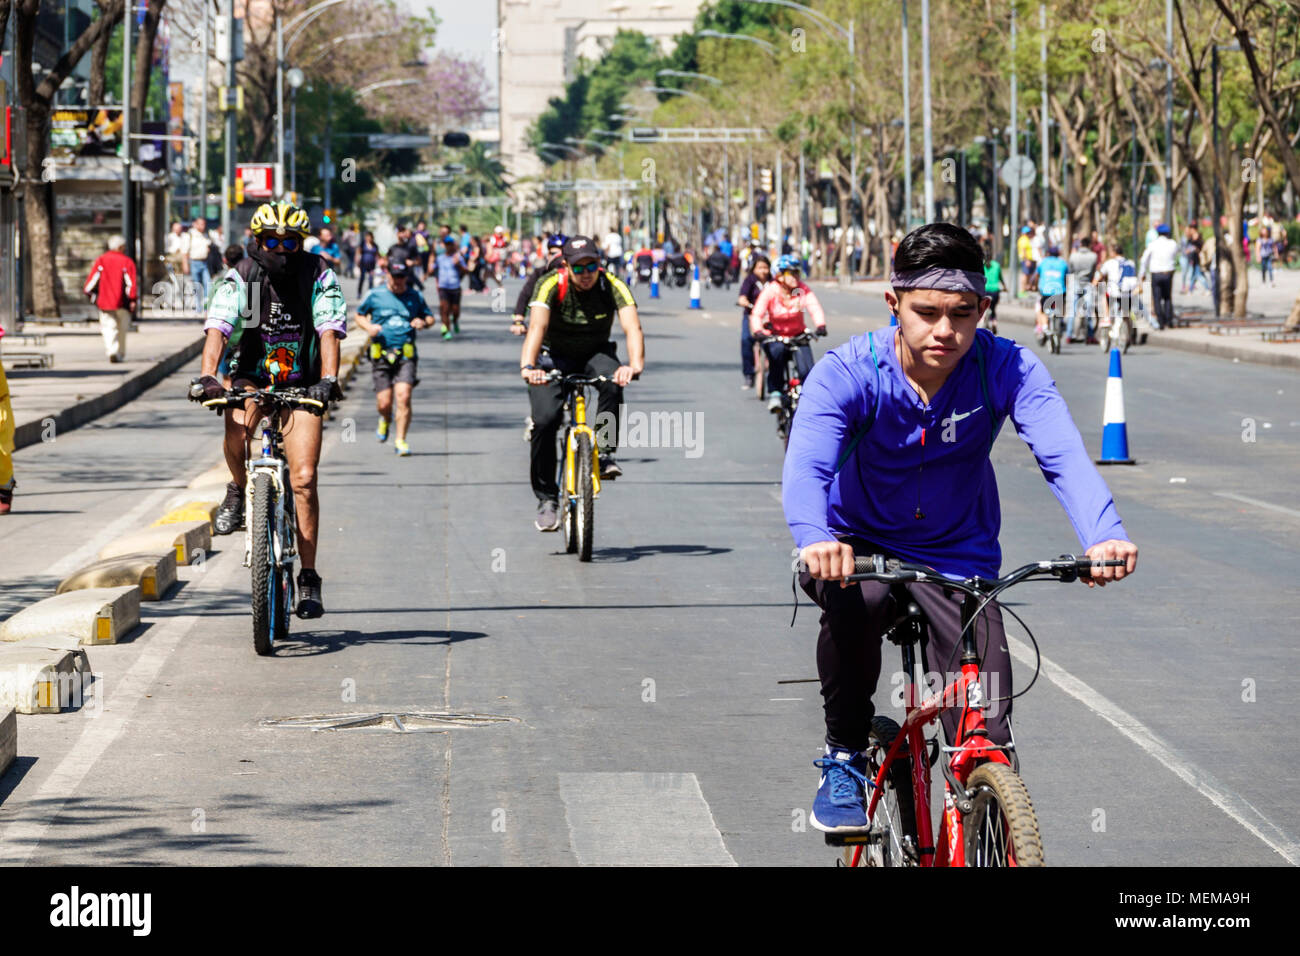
column 154, row 574
column 41, row 680
column 191, row 511
column 93, row 616
column 74, row 416
column 8, row 738
column 183, row 539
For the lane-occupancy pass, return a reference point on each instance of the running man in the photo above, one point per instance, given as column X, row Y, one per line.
column 451, row 266
column 391, row 315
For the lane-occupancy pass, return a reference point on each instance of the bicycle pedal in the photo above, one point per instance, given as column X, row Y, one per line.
column 852, row 838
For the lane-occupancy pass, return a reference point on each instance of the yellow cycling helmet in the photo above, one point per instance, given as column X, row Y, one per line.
column 281, row 218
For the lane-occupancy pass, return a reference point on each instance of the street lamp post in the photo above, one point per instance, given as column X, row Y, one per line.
column 907, row 129
column 296, row 79
column 1015, row 179
column 297, row 25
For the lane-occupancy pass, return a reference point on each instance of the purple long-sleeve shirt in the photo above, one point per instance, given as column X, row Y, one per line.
column 931, row 458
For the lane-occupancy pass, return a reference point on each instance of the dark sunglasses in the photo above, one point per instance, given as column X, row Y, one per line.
column 589, row 267
column 291, row 244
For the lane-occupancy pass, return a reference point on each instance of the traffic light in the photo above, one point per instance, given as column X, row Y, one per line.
column 456, row 139
column 239, row 191
column 765, row 179
column 327, row 216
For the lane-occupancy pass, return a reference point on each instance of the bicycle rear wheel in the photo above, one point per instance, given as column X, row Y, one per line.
column 586, row 505
column 893, row 825
column 1002, row 830
column 266, row 577
column 760, row 372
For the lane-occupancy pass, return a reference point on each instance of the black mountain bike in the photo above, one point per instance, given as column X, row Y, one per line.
column 793, row 384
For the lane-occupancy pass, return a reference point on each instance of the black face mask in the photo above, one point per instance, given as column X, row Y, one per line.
column 275, row 263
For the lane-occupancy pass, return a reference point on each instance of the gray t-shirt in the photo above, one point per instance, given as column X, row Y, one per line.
column 1083, row 263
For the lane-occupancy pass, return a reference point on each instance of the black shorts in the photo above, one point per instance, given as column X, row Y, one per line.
column 384, row 375
column 450, row 296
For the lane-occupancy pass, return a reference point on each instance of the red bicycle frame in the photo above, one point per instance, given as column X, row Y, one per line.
column 975, row 749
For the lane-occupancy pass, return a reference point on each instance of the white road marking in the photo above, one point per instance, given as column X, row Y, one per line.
column 1203, row 782
column 1257, row 503
column 775, row 699
column 641, row 819
column 25, row 831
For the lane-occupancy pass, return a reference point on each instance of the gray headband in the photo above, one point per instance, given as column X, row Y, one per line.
column 944, row 280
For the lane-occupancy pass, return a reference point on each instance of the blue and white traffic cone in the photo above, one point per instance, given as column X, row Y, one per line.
column 695, row 288
column 1114, row 430
column 654, row 282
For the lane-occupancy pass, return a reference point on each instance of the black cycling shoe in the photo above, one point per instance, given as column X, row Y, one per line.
column 609, row 469
column 309, row 598
column 230, row 516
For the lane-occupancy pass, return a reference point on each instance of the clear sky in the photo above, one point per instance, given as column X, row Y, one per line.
column 466, row 29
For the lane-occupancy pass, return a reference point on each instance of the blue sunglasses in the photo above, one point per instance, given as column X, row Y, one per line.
column 589, row 267
column 291, row 244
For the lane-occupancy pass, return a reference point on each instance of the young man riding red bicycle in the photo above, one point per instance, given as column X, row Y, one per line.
column 889, row 454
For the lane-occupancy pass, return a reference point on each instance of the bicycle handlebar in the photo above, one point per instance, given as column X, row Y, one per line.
column 1068, row 567
column 575, row 380
column 288, row 397
column 803, row 338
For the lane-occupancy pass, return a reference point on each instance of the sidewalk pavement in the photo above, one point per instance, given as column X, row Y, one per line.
column 81, row 384
column 1265, row 304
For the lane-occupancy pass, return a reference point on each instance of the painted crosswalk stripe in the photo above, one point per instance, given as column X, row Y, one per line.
column 641, row 819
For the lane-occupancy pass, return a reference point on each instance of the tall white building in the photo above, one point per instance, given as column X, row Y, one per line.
column 540, row 42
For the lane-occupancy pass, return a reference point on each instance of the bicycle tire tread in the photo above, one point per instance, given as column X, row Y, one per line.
column 1018, row 809
column 261, row 563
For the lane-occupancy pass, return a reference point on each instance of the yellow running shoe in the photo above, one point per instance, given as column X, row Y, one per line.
column 381, row 431
column 402, row 448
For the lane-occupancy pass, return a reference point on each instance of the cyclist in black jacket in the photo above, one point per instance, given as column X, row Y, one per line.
column 554, row 245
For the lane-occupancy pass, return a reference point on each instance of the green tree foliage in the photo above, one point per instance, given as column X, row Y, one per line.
column 598, row 89
column 156, row 105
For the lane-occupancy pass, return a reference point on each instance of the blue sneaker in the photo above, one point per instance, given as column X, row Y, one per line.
column 841, row 804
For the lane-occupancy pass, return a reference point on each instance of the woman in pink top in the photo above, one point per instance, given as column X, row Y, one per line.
column 779, row 311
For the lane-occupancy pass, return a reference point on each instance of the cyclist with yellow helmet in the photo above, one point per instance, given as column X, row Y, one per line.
column 281, row 311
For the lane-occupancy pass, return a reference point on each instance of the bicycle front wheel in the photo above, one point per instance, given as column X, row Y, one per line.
column 1002, row 830
column 586, row 505
column 266, row 577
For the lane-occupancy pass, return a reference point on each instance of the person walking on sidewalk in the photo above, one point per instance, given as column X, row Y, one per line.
column 1161, row 259
column 194, row 251
column 113, row 287
column 7, row 482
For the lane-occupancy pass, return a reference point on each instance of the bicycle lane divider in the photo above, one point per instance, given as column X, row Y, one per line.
column 34, row 815
column 1199, row 780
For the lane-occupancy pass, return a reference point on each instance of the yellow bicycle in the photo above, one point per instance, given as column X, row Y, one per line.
column 580, row 477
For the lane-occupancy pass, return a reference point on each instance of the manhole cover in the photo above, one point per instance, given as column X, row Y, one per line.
column 400, row 722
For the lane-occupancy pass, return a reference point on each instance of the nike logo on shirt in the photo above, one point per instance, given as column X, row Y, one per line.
column 956, row 417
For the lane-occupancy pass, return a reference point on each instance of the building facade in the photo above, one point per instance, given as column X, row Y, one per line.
column 540, row 44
